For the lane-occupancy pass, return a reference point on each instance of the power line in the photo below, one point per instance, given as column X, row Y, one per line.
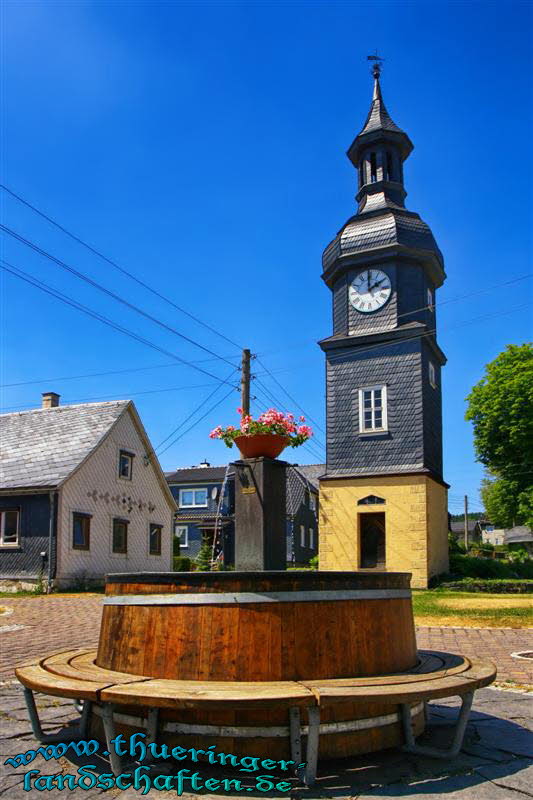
column 212, row 408
column 316, row 424
column 307, row 445
column 117, row 266
column 24, row 276
column 82, row 276
column 96, row 374
column 271, row 398
column 122, row 395
column 312, row 445
column 209, row 396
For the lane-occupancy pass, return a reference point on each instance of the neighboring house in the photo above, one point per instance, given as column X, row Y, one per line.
column 201, row 493
column 205, row 496
column 81, row 495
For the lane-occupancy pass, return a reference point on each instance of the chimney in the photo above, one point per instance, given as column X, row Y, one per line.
column 50, row 400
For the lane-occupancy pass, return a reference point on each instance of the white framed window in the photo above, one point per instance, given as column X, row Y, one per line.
column 193, row 498
column 182, row 533
column 431, row 299
column 373, row 409
column 9, row 527
column 125, row 465
column 302, row 535
column 155, row 532
column 432, row 374
column 311, row 538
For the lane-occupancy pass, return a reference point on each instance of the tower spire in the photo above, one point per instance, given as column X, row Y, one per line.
column 378, row 152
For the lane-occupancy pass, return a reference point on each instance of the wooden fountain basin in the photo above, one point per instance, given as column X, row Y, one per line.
column 265, row 626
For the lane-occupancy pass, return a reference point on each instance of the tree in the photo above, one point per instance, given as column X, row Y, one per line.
column 500, row 407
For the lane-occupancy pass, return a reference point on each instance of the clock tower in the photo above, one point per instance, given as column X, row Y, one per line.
column 383, row 499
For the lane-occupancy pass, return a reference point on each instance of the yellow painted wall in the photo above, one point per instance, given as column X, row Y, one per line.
column 416, row 524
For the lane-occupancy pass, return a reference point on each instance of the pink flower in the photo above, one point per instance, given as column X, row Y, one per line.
column 239, row 411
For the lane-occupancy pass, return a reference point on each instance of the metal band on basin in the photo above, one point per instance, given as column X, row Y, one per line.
column 224, row 598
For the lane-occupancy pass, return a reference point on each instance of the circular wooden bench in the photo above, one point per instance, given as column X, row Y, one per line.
column 162, row 706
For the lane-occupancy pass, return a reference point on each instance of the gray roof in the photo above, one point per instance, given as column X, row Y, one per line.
column 520, row 533
column 391, row 226
column 196, row 474
column 312, row 472
column 43, row 447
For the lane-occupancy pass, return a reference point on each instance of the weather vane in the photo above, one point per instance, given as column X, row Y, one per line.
column 376, row 66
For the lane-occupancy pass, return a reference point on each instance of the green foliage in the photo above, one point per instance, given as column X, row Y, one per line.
column 313, row 562
column 495, row 586
column 475, row 567
column 203, row 559
column 500, row 407
column 454, row 545
column 182, row 564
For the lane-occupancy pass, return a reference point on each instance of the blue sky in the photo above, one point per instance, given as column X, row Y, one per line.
column 202, row 147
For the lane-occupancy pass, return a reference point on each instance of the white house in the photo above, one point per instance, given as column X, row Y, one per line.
column 81, row 494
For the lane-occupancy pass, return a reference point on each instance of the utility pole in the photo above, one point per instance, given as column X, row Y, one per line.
column 245, row 382
column 466, row 523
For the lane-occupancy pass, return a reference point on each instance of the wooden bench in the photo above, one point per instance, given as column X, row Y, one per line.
column 74, row 674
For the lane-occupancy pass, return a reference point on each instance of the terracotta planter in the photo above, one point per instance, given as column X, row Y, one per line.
column 267, row 445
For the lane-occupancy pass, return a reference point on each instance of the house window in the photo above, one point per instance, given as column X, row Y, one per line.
column 432, row 374
column 125, row 465
column 193, row 498
column 311, row 538
column 302, row 535
column 182, row 533
column 81, row 531
column 9, row 527
column 373, row 409
column 155, row 539
column 430, row 299
column 120, row 536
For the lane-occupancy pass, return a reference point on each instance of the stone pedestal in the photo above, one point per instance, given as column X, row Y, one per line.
column 260, row 514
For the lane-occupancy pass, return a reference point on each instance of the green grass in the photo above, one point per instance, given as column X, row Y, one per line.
column 472, row 609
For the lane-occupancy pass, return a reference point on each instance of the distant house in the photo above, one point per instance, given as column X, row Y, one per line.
column 81, row 494
column 518, row 537
column 205, row 496
column 476, row 530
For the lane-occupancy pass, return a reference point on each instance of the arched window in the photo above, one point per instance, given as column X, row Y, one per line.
column 373, row 168
column 362, row 172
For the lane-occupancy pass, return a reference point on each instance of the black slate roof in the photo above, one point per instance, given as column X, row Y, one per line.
column 196, row 475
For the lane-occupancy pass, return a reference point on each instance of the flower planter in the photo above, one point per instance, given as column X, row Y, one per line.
column 267, row 445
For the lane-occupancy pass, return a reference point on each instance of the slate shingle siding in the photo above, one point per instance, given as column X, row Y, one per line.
column 398, row 366
column 25, row 561
column 433, row 413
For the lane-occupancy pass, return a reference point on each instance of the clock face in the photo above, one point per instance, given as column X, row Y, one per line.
column 370, row 290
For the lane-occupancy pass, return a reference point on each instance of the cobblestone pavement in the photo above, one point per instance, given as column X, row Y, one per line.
column 69, row 621
column 495, row 763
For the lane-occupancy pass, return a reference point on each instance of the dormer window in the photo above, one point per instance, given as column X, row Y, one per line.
column 193, row 498
column 373, row 168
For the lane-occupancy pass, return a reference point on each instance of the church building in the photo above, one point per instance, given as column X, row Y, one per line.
column 383, row 500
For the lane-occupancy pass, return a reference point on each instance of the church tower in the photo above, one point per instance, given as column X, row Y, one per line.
column 383, row 501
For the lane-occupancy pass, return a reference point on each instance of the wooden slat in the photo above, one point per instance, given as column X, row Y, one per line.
column 40, row 680
column 212, row 694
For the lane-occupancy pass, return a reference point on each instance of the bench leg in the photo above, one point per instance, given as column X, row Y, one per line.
column 412, row 747
column 79, row 732
column 312, row 745
column 110, row 733
column 306, row 774
column 152, row 722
